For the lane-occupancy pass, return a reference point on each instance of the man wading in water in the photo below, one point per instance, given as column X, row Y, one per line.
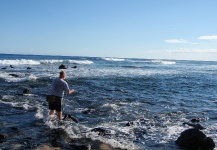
column 58, row 87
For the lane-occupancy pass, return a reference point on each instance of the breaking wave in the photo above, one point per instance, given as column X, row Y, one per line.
column 19, row 62
column 38, row 62
column 113, row 59
column 163, row 62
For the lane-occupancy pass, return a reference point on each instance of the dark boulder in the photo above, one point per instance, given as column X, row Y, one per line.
column 195, row 120
column 2, row 138
column 26, row 91
column 81, row 147
column 195, row 140
column 62, row 67
column 130, row 123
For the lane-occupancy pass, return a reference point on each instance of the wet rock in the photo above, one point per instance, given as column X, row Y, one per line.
column 17, row 75
column 14, row 75
column 130, row 123
column 102, row 131
column 196, row 126
column 46, row 147
column 26, row 91
column 2, row 138
column 81, row 147
column 195, row 139
column 104, row 146
column 62, row 67
column 14, row 128
column 89, row 111
column 28, row 68
column 68, row 117
column 195, row 120
column 99, row 129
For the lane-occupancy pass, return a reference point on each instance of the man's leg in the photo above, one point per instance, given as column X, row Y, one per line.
column 51, row 112
column 59, row 114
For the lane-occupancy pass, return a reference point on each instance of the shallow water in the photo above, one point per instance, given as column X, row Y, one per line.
column 156, row 95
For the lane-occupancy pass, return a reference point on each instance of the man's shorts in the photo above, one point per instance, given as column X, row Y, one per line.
column 56, row 104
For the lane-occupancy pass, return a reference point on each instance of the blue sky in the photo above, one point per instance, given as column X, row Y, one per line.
column 155, row 29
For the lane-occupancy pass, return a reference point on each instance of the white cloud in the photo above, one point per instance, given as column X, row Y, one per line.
column 183, row 50
column 212, row 37
column 178, row 41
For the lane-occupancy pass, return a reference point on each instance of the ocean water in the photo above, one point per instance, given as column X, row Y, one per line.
column 155, row 96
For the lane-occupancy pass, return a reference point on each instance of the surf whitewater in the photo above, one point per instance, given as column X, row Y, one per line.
column 140, row 103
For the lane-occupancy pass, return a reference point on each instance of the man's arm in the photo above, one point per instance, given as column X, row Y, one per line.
column 71, row 91
column 67, row 90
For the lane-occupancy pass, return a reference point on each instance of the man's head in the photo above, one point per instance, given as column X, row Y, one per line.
column 62, row 75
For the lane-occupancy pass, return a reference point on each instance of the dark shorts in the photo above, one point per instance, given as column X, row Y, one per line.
column 56, row 104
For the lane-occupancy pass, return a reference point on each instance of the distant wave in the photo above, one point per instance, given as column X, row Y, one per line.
column 50, row 61
column 113, row 59
column 136, row 66
column 163, row 62
column 84, row 62
column 19, row 62
column 38, row 62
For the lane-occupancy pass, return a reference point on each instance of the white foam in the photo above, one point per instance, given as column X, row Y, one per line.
column 114, row 106
column 163, row 62
column 51, row 61
column 20, row 77
column 174, row 130
column 84, row 62
column 39, row 113
column 19, row 62
column 10, row 103
column 113, row 59
column 26, row 106
column 38, row 62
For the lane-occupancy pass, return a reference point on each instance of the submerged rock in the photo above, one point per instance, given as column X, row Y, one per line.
column 62, row 67
column 68, row 117
column 18, row 75
column 130, row 123
column 26, row 91
column 14, row 75
column 195, row 139
column 101, row 131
